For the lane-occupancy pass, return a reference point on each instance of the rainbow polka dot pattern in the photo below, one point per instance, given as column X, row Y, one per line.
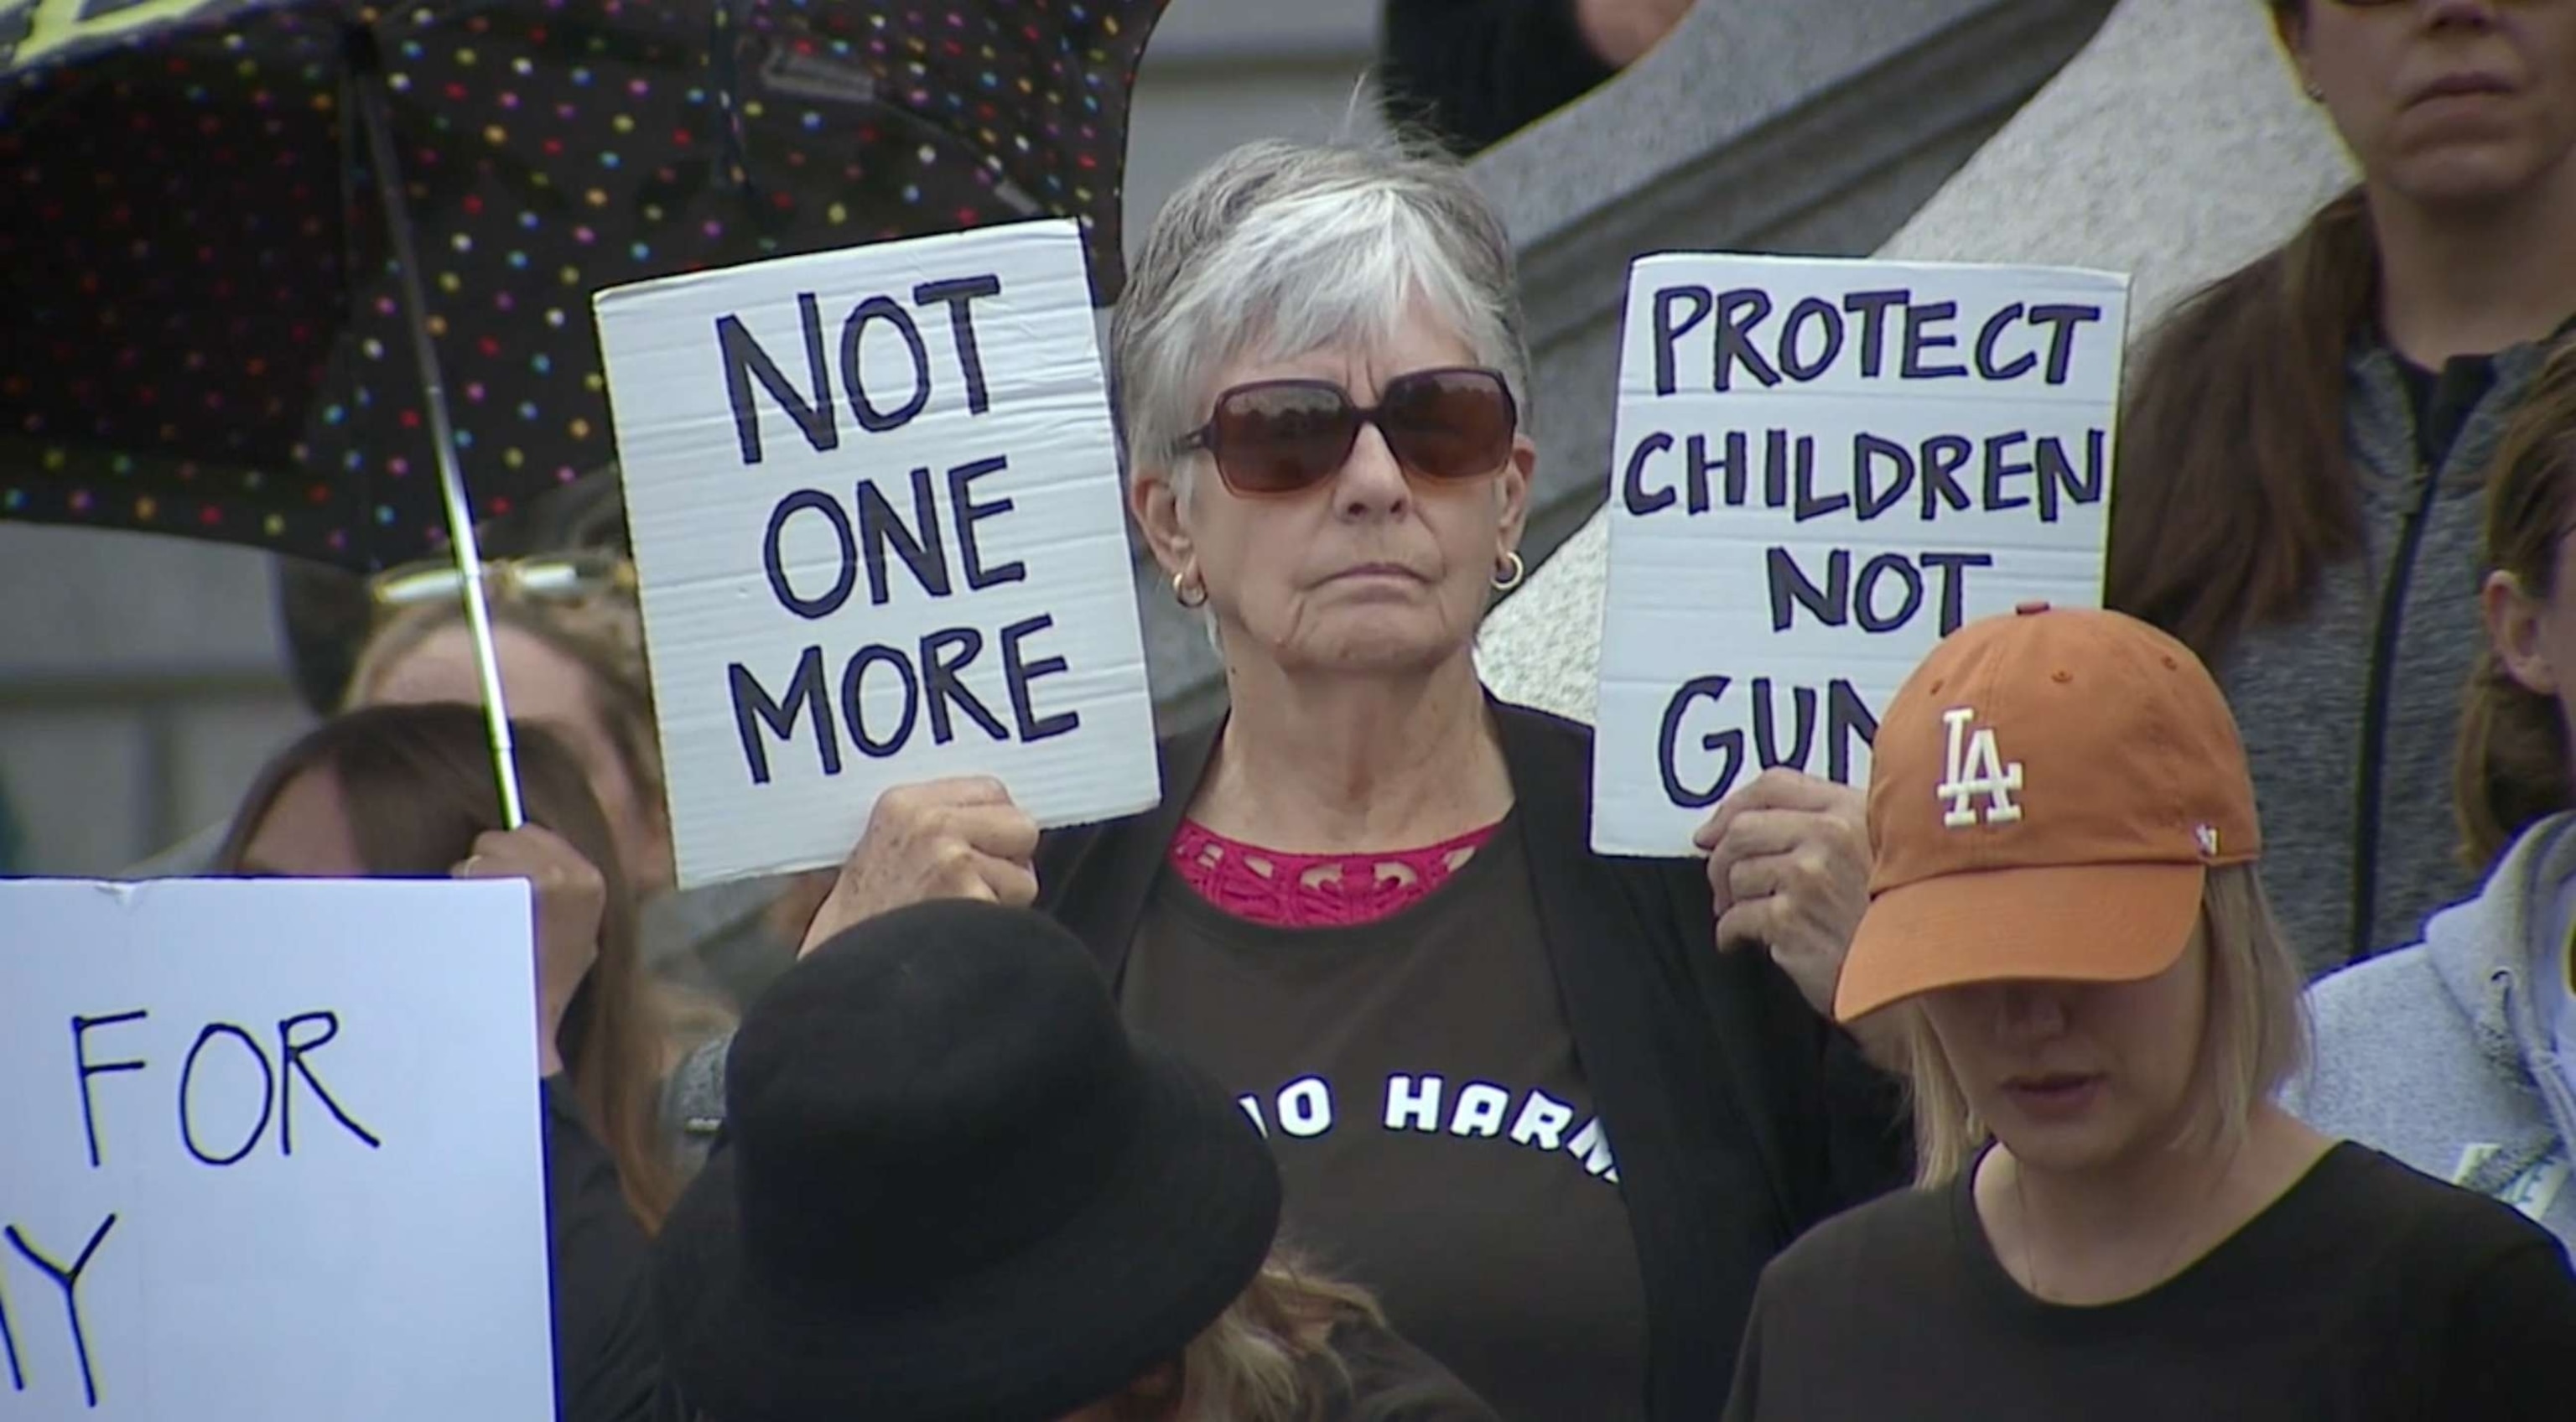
column 200, row 331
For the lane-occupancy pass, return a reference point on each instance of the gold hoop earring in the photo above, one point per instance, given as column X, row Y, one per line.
column 1182, row 587
column 1513, row 571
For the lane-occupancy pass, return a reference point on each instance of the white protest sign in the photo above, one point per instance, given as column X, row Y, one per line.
column 273, row 1150
column 879, row 538
column 1821, row 468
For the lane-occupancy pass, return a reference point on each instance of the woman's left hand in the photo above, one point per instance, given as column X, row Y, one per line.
column 571, row 897
column 1788, row 862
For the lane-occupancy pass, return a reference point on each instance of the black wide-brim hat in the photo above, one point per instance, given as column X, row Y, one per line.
column 1165, row 1241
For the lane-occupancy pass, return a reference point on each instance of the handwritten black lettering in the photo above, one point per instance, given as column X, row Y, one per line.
column 961, row 497
column 1872, row 308
column 1728, row 745
column 1812, row 312
column 68, row 1280
column 853, row 715
column 1987, row 335
column 1921, row 336
column 917, row 544
column 86, row 1069
column 943, row 655
column 773, row 559
column 1846, row 722
column 853, row 341
column 1018, row 671
column 1738, row 312
column 1943, row 457
column 1791, row 589
column 187, row 1080
column 960, row 293
column 2059, row 479
column 1668, row 331
column 807, row 696
column 291, row 1052
column 746, row 361
column 1632, row 483
column 2062, row 321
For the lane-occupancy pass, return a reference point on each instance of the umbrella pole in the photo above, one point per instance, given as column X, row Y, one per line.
column 451, row 480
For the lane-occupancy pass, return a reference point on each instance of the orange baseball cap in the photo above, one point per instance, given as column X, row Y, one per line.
column 2047, row 794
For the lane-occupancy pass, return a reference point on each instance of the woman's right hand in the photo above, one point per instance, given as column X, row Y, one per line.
column 570, row 898
column 940, row 839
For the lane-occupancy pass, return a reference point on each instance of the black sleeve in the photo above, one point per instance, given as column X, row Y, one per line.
column 2508, row 1340
column 1744, row 1396
column 1475, row 71
column 608, row 1366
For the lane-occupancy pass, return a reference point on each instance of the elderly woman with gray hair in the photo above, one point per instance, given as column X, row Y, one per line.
column 1367, row 905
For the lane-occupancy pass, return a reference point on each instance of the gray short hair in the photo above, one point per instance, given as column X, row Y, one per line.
column 1281, row 248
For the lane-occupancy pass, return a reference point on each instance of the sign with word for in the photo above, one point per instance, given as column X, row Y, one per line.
column 273, row 1150
column 1821, row 468
column 879, row 538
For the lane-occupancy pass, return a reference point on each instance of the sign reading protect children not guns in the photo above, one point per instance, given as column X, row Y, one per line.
column 1822, row 467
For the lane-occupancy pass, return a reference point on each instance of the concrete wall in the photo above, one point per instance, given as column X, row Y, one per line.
column 141, row 682
column 2175, row 147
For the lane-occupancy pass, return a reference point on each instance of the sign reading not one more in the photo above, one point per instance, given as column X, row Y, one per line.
column 272, row 1151
column 879, row 538
column 1822, row 467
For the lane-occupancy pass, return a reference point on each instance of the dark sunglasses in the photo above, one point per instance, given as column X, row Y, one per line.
column 1276, row 437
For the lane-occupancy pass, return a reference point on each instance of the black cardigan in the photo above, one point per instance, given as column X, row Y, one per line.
column 1740, row 1117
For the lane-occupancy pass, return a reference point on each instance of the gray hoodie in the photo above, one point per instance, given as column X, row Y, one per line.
column 2438, row 1054
column 2349, row 712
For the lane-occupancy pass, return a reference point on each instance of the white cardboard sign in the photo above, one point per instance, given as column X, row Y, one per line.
column 1822, row 467
column 879, row 537
column 273, row 1149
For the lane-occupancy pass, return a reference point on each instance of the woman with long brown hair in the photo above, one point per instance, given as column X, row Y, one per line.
column 2458, row 1055
column 2303, row 444
column 408, row 792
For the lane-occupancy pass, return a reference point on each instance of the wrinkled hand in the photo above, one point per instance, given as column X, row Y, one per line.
column 1789, row 864
column 570, row 899
column 940, row 839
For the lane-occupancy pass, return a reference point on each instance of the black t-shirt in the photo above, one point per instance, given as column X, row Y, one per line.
column 1436, row 1136
column 2366, row 1293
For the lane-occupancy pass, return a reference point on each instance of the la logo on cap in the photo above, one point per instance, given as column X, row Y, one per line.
column 1974, row 767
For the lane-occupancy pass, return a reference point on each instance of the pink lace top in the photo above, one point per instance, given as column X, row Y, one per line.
column 1314, row 890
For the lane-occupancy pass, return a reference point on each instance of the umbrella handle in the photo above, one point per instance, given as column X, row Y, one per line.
column 366, row 72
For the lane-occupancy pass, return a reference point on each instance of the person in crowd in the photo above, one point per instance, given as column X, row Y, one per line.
column 585, row 679
column 2302, row 442
column 569, row 638
column 2458, row 1055
column 954, row 1188
column 409, row 792
column 1367, row 903
column 1474, row 72
column 2116, row 1220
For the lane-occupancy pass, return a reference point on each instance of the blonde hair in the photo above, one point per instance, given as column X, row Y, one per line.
column 606, row 643
column 2253, row 1037
column 1257, row 1362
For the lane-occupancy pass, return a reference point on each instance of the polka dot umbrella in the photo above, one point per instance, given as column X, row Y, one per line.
column 316, row 277
column 205, row 325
